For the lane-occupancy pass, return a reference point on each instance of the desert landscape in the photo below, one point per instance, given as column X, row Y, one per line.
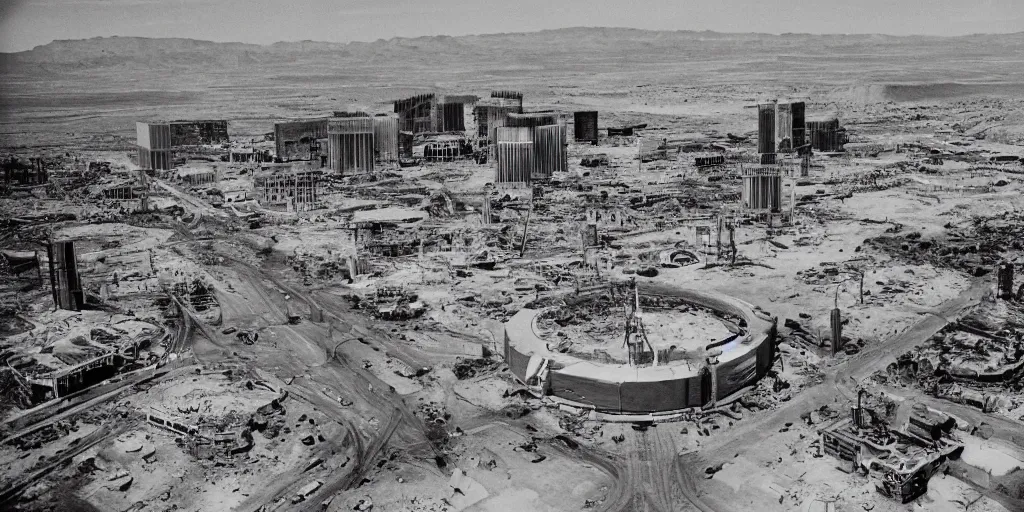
column 576, row 269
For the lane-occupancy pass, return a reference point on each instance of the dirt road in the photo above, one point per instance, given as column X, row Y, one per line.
column 322, row 384
column 840, row 384
column 651, row 477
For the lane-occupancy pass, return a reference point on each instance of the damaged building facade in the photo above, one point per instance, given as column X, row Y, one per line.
column 544, row 133
column 762, row 189
column 199, row 132
column 300, row 140
column 490, row 113
column 514, row 156
column 350, row 146
column 153, row 142
column 430, row 113
column 825, row 134
column 156, row 142
column 902, row 460
column 290, row 190
column 662, row 387
column 386, row 138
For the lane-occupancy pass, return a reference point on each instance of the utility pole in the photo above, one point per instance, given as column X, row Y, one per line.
column 732, row 241
column 526, row 231
column 639, row 155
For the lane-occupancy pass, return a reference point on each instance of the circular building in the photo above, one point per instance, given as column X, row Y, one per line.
column 643, row 350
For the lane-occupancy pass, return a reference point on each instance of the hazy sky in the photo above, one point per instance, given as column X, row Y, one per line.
column 27, row 23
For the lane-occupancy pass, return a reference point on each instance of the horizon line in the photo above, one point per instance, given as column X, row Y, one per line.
column 577, row 27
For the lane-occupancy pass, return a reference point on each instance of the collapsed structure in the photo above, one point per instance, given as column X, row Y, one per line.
column 291, row 190
column 490, row 113
column 18, row 174
column 901, row 460
column 300, row 140
column 429, row 113
column 64, row 280
column 825, row 134
column 199, row 132
column 155, row 142
column 657, row 382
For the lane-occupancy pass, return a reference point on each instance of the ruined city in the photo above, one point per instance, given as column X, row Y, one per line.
column 577, row 269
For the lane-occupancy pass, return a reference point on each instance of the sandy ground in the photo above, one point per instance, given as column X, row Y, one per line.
column 366, row 382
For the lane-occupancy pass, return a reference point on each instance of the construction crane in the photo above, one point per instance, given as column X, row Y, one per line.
column 636, row 333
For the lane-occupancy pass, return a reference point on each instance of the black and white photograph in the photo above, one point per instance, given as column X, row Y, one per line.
column 528, row 256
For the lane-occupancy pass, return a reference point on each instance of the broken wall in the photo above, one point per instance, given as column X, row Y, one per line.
column 293, row 139
column 197, row 133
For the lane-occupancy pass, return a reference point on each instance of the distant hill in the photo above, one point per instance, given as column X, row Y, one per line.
column 544, row 48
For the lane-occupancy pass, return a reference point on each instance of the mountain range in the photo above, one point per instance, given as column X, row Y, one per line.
column 581, row 45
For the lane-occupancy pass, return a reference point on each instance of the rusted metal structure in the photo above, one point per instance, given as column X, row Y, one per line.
column 350, row 145
column 585, row 126
column 154, row 145
column 199, row 132
column 762, row 189
column 514, row 155
column 385, row 137
column 299, row 140
column 64, row 279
